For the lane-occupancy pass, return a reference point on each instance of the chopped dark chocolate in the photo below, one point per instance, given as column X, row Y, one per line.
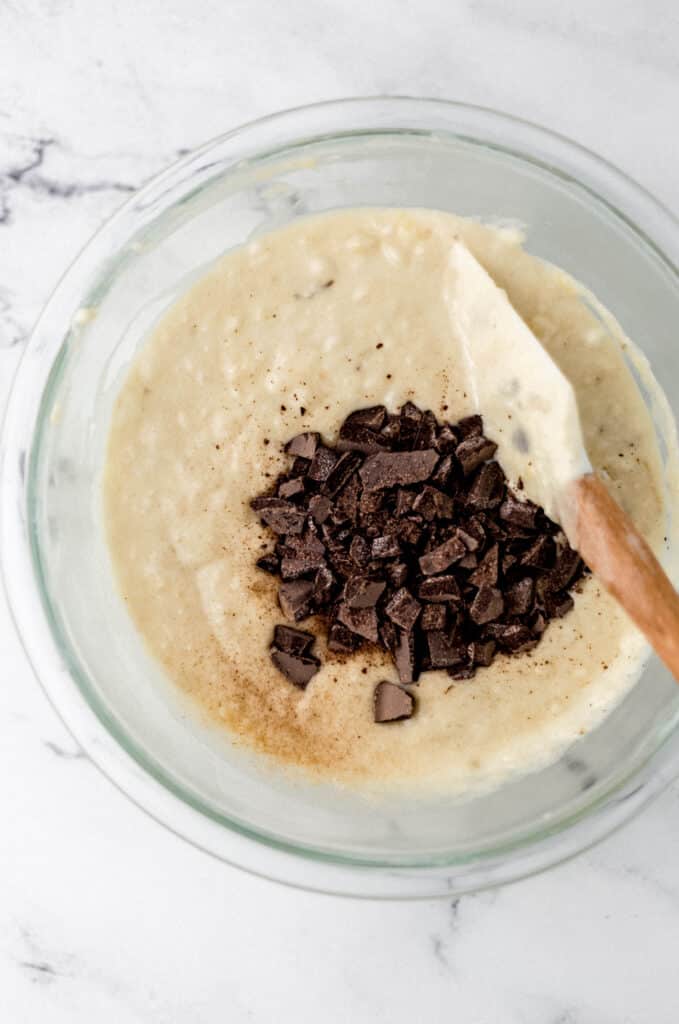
column 439, row 588
column 320, row 507
column 405, row 534
column 372, row 418
column 292, row 486
column 474, row 450
column 487, row 605
column 385, row 547
column 431, row 503
column 486, row 489
column 387, row 469
column 359, row 550
column 391, row 703
column 298, row 668
column 434, row 616
column 363, row 592
column 404, row 656
column 443, row 652
column 452, row 550
column 342, row 640
column 295, row 599
column 360, row 620
column 269, row 563
column 321, row 464
column 519, row 513
column 403, row 609
column 346, row 465
column 481, row 652
column 303, row 445
column 292, row 641
column 488, row 568
column 279, row 515
column 519, row 596
column 397, row 573
column 324, row 583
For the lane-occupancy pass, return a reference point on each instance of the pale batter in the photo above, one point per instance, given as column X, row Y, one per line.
column 291, row 333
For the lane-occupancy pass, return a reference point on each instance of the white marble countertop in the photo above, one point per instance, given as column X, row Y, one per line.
column 104, row 916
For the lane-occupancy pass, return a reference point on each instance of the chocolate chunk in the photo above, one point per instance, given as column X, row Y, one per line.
column 487, row 569
column 470, row 561
column 481, row 652
column 385, row 547
column 360, row 620
column 347, row 501
column 568, row 566
column 426, row 434
column 363, row 592
column 487, row 605
column 452, row 550
column 372, row 418
column 389, row 635
column 295, row 599
column 519, row 513
column 356, row 438
column 540, row 554
column 269, row 563
column 462, row 672
column 439, row 588
column 474, row 450
column 446, row 440
column 321, row 464
column 558, row 605
column 342, row 640
column 391, row 703
column 441, row 476
column 404, row 657
column 443, row 652
column 470, row 426
column 292, row 641
column 303, row 445
column 404, row 501
column 387, row 469
column 410, row 532
column 514, row 638
column 324, row 583
column 403, row 609
column 370, row 502
column 434, row 617
column 291, row 487
column 359, row 550
column 391, row 430
column 301, row 556
column 519, row 597
column 298, row 668
column 279, row 515
column 346, row 466
column 411, row 419
column 486, row 489
column 320, row 507
column 397, row 573
column 431, row 503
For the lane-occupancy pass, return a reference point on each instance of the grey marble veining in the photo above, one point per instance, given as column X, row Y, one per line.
column 104, row 916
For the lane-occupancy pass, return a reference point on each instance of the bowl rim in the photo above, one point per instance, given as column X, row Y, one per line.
column 117, row 759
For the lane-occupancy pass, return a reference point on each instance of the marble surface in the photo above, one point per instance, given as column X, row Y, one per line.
column 104, row 916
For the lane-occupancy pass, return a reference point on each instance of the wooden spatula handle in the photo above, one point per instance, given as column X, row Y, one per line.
column 622, row 560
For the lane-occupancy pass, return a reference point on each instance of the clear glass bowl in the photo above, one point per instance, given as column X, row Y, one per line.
column 580, row 213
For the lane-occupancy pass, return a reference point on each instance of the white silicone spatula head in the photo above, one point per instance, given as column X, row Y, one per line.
column 528, row 406
column 529, row 409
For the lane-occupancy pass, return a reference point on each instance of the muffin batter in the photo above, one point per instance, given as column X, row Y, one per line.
column 291, row 333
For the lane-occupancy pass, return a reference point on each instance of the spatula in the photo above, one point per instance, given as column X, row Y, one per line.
column 530, row 409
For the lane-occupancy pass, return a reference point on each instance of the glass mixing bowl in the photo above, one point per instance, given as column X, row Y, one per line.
column 578, row 212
